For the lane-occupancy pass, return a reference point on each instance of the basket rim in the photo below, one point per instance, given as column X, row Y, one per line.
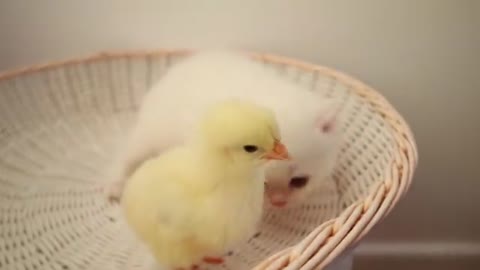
column 342, row 234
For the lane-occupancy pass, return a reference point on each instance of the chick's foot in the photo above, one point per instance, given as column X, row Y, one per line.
column 213, row 260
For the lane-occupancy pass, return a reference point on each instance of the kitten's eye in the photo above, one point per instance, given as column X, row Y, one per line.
column 250, row 148
column 298, row 181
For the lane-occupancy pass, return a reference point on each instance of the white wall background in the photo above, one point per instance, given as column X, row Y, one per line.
column 422, row 55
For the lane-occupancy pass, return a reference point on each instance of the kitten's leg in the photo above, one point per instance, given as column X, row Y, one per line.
column 115, row 188
column 139, row 149
column 125, row 169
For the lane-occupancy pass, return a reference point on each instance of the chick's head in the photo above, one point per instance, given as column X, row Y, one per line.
column 244, row 131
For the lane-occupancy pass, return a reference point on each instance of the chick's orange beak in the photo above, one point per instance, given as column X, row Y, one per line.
column 279, row 152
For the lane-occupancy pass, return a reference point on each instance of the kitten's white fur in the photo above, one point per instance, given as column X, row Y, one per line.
column 170, row 108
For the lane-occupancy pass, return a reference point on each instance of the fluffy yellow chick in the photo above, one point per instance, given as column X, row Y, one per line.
column 198, row 200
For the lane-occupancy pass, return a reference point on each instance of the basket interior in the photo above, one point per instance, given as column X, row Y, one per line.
column 59, row 128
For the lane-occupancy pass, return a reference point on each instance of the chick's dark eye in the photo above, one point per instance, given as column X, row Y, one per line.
column 250, row 148
column 299, row 181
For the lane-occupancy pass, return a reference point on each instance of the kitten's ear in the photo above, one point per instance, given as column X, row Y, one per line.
column 327, row 116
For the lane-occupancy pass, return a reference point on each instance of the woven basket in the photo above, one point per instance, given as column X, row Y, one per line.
column 60, row 124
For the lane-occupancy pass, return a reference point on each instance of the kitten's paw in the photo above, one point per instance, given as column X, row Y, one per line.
column 113, row 191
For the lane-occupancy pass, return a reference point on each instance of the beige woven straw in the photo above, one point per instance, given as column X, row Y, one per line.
column 60, row 125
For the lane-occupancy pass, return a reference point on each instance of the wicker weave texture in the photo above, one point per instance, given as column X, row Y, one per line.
column 61, row 123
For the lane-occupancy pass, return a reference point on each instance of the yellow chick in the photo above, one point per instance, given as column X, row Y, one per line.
column 196, row 201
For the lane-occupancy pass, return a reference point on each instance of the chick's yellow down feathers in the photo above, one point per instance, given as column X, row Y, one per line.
column 201, row 199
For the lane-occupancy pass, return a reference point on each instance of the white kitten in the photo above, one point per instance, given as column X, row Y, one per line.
column 308, row 122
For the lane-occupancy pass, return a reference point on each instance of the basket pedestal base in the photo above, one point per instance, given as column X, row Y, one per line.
column 344, row 262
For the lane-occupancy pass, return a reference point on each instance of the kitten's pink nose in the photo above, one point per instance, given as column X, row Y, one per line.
column 279, row 199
